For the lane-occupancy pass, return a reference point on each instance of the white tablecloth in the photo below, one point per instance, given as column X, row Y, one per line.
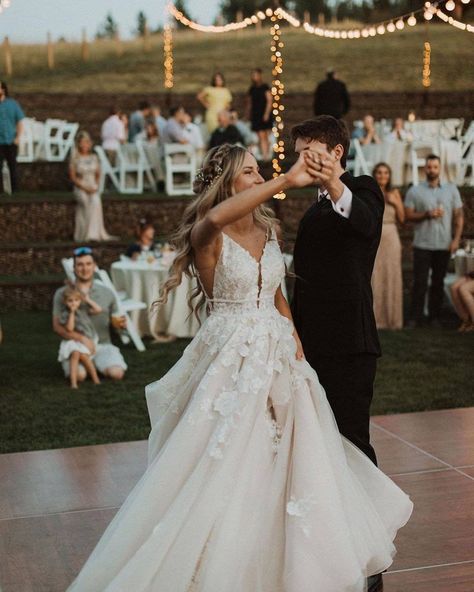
column 397, row 155
column 142, row 281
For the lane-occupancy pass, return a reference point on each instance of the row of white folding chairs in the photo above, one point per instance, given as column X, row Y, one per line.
column 132, row 168
column 125, row 305
column 50, row 140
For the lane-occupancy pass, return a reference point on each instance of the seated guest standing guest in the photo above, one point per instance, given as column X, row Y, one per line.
column 387, row 283
column 433, row 207
column 249, row 137
column 84, row 172
column 193, row 133
column 137, row 120
column 113, row 133
column 225, row 133
column 146, row 240
column 108, row 359
column 174, row 130
column 462, row 292
column 366, row 134
column 149, row 134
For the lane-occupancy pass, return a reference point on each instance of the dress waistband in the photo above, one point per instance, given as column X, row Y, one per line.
column 240, row 306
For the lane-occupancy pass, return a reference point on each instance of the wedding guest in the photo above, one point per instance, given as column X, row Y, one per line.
column 113, row 133
column 149, row 134
column 145, row 242
column 137, row 119
column 160, row 121
column 433, row 207
column 193, row 133
column 84, row 172
column 225, row 133
column 250, row 138
column 75, row 319
column 462, row 293
column 11, row 127
column 331, row 97
column 259, row 108
column 399, row 132
column 107, row 359
column 215, row 98
column 174, row 130
column 367, row 133
column 387, row 283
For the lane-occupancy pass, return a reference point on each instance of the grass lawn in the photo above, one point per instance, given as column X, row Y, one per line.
column 420, row 370
column 391, row 62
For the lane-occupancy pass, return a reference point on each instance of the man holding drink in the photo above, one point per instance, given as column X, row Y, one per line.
column 106, row 356
column 433, row 207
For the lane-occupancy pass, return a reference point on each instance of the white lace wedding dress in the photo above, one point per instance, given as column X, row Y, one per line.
column 250, row 487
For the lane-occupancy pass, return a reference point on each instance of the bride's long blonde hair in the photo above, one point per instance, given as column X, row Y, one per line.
column 214, row 184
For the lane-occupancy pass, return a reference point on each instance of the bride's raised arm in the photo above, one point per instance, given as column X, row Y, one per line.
column 207, row 230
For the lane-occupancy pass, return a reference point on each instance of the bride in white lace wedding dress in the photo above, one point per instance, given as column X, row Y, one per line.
column 250, row 487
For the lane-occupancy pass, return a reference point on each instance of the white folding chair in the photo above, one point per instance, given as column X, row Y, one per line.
column 148, row 166
column 38, row 138
column 69, row 132
column 418, row 160
column 68, row 266
column 124, row 306
column 106, row 170
column 130, row 169
column 53, row 140
column 467, row 157
column 26, row 152
column 180, row 159
column 361, row 164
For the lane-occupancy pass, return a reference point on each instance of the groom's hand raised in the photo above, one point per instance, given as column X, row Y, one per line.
column 321, row 165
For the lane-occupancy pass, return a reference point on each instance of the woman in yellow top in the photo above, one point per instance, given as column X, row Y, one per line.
column 215, row 98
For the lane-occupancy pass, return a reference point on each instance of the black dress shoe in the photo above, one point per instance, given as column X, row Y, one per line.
column 375, row 583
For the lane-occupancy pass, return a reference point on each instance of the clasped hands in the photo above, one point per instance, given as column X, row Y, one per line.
column 313, row 167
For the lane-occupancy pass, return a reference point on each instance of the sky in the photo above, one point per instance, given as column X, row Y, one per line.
column 28, row 21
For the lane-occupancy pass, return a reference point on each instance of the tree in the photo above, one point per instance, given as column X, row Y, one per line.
column 141, row 24
column 108, row 29
column 313, row 7
column 181, row 6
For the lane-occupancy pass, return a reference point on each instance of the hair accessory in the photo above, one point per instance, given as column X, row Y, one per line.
column 209, row 179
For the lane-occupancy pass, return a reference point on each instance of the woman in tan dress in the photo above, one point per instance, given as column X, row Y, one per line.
column 84, row 172
column 387, row 282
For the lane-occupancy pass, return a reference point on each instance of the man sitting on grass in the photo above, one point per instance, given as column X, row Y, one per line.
column 107, row 357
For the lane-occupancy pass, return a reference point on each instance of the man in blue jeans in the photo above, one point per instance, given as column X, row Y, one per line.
column 11, row 126
column 433, row 207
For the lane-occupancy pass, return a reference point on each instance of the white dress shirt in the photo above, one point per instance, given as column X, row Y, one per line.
column 343, row 206
column 113, row 133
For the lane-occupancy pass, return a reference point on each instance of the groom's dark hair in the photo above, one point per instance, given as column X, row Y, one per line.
column 325, row 129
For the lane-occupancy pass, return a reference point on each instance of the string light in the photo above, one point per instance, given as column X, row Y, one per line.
column 278, row 90
column 450, row 5
column 428, row 12
column 450, row 20
column 168, row 56
column 427, row 65
column 235, row 26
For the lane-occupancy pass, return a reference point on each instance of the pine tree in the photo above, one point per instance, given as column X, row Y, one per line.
column 108, row 29
column 141, row 24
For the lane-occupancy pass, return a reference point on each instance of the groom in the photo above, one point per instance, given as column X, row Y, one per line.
column 334, row 255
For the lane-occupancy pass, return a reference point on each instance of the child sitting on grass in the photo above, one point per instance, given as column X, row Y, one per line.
column 75, row 319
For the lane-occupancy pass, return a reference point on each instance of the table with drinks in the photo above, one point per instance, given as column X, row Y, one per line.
column 142, row 279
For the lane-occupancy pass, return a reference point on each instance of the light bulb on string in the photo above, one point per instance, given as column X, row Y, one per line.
column 391, row 27
column 411, row 20
column 450, row 5
column 400, row 24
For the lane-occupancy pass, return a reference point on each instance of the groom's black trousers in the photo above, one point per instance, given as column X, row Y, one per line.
column 349, row 384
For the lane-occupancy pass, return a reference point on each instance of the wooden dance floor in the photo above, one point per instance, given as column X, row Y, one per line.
column 54, row 504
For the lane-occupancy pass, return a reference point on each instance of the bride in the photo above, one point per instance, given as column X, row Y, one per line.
column 250, row 487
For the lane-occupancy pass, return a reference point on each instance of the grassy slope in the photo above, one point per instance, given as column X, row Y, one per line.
column 426, row 369
column 391, row 62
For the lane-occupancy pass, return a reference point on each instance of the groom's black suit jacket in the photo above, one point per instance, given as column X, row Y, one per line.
column 333, row 260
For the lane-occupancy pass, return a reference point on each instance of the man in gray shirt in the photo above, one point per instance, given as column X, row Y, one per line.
column 107, row 357
column 174, row 131
column 433, row 207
